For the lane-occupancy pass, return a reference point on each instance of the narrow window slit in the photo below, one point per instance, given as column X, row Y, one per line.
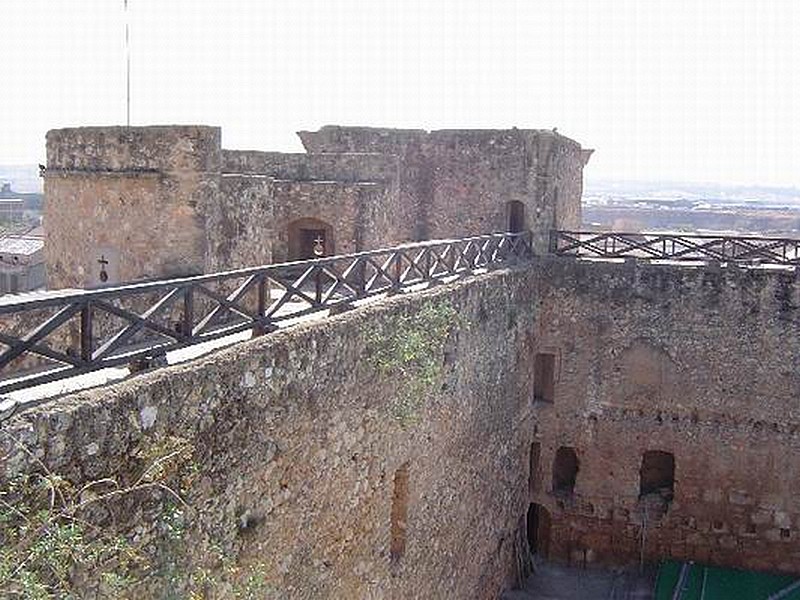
column 544, row 370
column 399, row 524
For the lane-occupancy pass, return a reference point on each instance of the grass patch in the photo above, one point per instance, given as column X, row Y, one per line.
column 410, row 348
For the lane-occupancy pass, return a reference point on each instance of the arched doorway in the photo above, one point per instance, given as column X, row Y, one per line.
column 310, row 238
column 515, row 211
column 565, row 471
column 538, row 530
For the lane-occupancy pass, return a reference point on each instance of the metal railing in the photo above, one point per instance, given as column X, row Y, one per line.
column 676, row 247
column 60, row 335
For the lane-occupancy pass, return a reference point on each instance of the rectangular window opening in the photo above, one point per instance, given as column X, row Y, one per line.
column 657, row 475
column 399, row 525
column 544, row 377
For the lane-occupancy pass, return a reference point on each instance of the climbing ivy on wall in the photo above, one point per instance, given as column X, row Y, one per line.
column 410, row 348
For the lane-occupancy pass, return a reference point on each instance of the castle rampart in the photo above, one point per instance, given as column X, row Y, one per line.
column 127, row 203
column 695, row 365
column 467, row 181
column 130, row 203
column 632, row 410
column 322, row 470
column 346, row 167
column 596, row 412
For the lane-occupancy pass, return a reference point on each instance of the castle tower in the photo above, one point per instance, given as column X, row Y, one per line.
column 126, row 203
column 132, row 203
column 461, row 182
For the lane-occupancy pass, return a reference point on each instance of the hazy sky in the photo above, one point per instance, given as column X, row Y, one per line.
column 705, row 90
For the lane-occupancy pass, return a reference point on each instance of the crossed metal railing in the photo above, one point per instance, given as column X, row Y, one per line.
column 60, row 335
column 680, row 247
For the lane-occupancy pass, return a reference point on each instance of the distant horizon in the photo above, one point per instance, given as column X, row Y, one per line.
column 588, row 181
column 588, row 176
column 721, row 184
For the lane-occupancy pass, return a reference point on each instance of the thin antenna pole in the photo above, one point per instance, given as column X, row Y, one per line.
column 127, row 66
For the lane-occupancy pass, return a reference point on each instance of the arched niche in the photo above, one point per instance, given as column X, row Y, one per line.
column 310, row 238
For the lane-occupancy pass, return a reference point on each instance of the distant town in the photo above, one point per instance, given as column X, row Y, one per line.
column 21, row 233
column 673, row 206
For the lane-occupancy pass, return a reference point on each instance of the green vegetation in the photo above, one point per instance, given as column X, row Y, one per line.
column 411, row 348
column 56, row 537
column 58, row 540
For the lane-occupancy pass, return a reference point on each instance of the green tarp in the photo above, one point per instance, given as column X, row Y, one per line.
column 713, row 583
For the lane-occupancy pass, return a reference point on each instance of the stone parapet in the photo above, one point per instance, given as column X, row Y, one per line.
column 349, row 167
column 163, row 148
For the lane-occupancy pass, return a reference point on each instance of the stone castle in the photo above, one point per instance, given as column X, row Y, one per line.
column 593, row 412
column 168, row 201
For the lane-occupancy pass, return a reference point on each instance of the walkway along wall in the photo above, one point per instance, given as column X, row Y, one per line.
column 612, row 396
column 326, row 465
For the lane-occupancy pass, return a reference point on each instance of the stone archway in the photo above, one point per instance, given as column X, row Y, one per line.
column 308, row 235
column 538, row 530
column 565, row 471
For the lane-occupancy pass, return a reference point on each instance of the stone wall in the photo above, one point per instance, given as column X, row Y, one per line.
column 132, row 203
column 563, row 185
column 305, row 439
column 696, row 362
column 345, row 207
column 476, row 175
column 460, row 182
column 346, row 167
column 381, row 140
column 132, row 198
column 239, row 225
column 300, row 436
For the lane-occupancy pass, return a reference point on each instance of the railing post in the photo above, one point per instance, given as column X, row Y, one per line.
column 361, row 277
column 528, row 244
column 318, row 284
column 262, row 292
column 393, row 273
column 427, row 264
column 86, row 332
column 398, row 271
column 187, row 321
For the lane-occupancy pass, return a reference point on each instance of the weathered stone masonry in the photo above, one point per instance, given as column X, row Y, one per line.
column 145, row 202
column 299, row 434
column 608, row 411
column 132, row 197
column 698, row 363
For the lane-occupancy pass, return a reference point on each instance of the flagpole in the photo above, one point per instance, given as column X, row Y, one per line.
column 127, row 66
